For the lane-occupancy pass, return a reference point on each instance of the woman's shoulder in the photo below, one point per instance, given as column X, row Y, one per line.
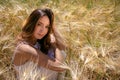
column 24, row 47
column 23, row 53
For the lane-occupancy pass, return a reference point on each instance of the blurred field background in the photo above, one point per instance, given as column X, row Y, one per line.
column 91, row 29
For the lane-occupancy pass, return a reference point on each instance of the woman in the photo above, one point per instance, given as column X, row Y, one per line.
column 40, row 49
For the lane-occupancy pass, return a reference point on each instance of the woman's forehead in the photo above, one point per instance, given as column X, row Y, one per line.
column 44, row 20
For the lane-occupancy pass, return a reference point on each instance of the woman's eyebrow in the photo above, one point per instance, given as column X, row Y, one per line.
column 48, row 25
column 43, row 23
column 40, row 22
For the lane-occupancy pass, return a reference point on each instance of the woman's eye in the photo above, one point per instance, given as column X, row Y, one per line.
column 47, row 26
column 39, row 24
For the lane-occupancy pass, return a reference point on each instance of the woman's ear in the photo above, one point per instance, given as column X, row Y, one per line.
column 52, row 38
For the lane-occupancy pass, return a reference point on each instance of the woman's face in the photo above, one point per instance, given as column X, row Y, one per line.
column 41, row 27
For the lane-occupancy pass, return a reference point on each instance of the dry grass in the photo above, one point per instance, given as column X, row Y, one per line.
column 91, row 29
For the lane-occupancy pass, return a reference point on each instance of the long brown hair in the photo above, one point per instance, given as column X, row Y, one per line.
column 29, row 26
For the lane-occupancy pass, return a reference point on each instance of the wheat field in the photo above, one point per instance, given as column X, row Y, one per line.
column 91, row 29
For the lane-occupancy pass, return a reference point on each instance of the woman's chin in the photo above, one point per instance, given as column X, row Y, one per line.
column 39, row 37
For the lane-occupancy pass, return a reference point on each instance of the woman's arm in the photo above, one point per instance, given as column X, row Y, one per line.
column 60, row 55
column 26, row 53
column 58, row 39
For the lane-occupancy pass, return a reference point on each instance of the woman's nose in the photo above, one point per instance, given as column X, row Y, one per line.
column 42, row 29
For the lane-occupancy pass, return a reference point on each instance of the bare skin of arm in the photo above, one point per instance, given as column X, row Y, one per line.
column 59, row 55
column 26, row 53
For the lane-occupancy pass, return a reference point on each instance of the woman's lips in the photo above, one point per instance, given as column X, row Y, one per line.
column 40, row 34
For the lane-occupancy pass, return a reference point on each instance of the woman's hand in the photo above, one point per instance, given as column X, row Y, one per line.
column 52, row 38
